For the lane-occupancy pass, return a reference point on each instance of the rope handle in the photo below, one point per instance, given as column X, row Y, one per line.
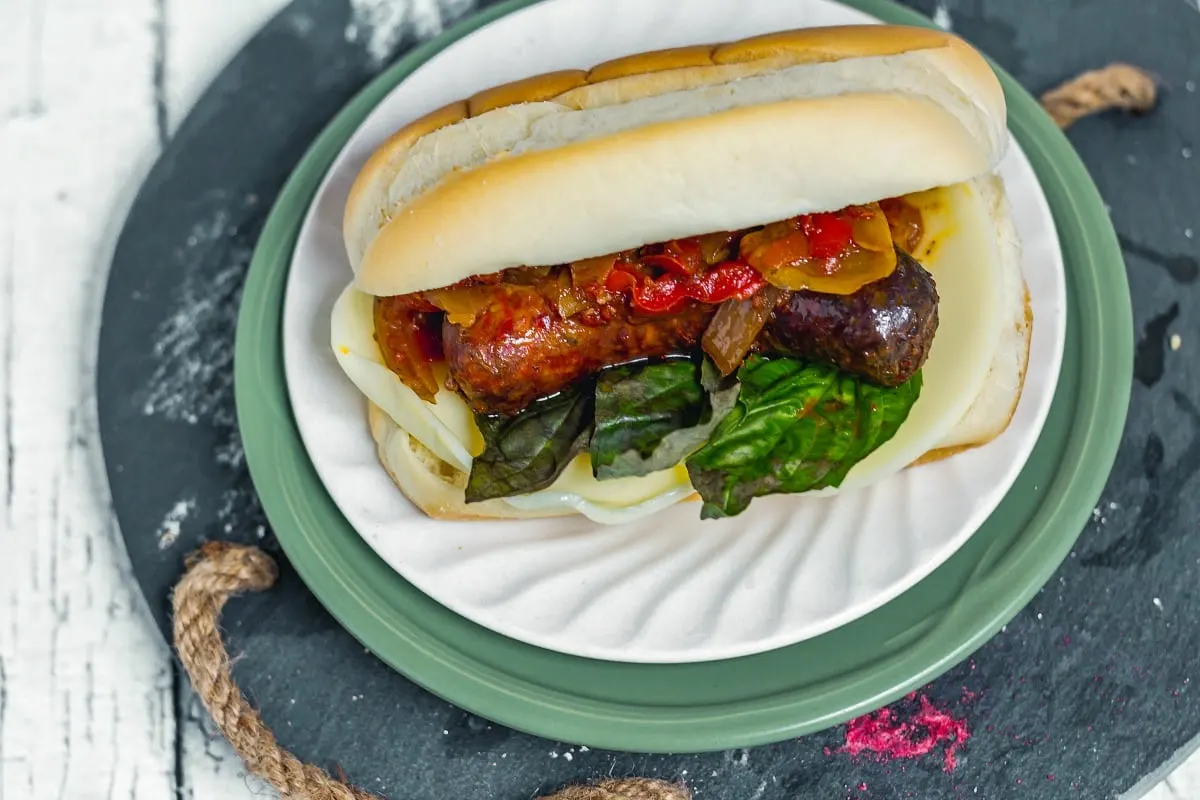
column 1115, row 87
column 220, row 570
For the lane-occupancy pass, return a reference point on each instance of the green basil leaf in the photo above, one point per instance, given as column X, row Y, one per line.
column 796, row 427
column 650, row 417
column 528, row 451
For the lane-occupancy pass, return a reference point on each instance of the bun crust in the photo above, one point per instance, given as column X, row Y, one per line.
column 554, row 168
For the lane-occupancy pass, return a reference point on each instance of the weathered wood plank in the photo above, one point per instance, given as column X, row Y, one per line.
column 85, row 703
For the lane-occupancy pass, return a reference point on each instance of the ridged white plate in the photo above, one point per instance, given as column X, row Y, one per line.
column 667, row 588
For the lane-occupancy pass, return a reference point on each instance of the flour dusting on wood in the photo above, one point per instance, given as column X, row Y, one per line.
column 192, row 378
column 381, row 26
column 193, row 347
column 172, row 524
column 941, row 16
column 378, row 25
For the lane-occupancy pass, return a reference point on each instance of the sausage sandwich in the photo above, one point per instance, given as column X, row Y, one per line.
column 777, row 266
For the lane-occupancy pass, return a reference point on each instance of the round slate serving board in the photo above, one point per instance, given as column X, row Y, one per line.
column 1085, row 694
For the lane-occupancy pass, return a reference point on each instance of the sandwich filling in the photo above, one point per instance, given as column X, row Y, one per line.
column 766, row 360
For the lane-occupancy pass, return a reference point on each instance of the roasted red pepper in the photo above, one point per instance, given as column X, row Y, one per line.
column 661, row 296
column 622, row 279
column 667, row 263
column 677, row 257
column 730, row 279
column 411, row 342
column 688, row 253
column 735, row 280
column 828, row 234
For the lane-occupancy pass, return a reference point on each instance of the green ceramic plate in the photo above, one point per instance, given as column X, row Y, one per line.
column 739, row 702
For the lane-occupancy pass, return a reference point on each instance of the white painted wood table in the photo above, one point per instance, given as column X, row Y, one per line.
column 89, row 91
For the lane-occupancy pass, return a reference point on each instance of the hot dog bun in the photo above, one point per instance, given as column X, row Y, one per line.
column 670, row 144
column 647, row 148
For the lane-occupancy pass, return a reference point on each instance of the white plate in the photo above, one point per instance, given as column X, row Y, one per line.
column 667, row 588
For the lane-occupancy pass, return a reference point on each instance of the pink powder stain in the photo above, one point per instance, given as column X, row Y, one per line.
column 886, row 736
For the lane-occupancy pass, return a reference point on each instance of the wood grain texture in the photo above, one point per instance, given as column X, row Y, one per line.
column 91, row 704
column 85, row 703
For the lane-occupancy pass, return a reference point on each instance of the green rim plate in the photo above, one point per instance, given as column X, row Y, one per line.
column 739, row 702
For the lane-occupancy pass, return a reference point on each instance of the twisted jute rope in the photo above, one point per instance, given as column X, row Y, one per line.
column 218, row 570
column 1115, row 87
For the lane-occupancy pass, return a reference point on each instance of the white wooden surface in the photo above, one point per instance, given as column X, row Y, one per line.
column 89, row 89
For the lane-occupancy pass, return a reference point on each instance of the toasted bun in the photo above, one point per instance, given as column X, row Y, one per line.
column 554, row 168
column 670, row 144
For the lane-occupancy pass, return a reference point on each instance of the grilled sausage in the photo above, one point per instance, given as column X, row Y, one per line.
column 519, row 348
column 501, row 365
column 882, row 332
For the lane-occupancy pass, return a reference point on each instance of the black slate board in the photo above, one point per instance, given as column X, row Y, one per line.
column 1086, row 693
